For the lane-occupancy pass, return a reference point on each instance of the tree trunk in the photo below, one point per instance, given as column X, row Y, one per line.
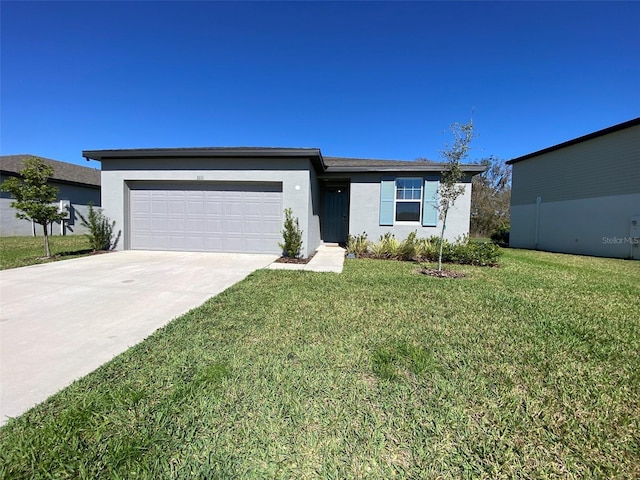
column 444, row 225
column 47, row 250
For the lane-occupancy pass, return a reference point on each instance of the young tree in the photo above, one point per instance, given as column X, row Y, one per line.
column 450, row 189
column 34, row 197
column 292, row 235
column 491, row 197
column 100, row 236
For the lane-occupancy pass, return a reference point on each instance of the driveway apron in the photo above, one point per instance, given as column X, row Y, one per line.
column 59, row 321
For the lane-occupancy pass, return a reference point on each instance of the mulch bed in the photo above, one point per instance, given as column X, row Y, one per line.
column 300, row 261
column 434, row 272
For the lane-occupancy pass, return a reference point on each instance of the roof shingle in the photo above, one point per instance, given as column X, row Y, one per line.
column 62, row 171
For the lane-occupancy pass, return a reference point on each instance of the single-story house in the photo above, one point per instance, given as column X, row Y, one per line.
column 77, row 187
column 581, row 196
column 233, row 199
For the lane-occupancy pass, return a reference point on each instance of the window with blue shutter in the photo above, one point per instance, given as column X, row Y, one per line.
column 409, row 199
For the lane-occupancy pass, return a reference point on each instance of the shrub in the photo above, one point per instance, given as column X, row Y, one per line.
column 480, row 254
column 426, row 249
column 292, row 236
column 358, row 244
column 500, row 236
column 387, row 247
column 100, row 227
column 408, row 246
column 461, row 251
column 378, row 250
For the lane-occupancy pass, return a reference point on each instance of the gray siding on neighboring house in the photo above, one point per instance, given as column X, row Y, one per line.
column 119, row 174
column 602, row 166
column 364, row 214
column 580, row 197
column 80, row 196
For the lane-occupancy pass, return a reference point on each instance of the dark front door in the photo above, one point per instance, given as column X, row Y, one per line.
column 335, row 214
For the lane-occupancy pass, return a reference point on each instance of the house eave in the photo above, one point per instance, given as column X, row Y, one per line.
column 312, row 154
column 470, row 169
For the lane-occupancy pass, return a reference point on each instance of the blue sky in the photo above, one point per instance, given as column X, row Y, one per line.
column 364, row 79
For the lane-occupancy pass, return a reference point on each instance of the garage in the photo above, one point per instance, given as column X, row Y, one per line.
column 205, row 216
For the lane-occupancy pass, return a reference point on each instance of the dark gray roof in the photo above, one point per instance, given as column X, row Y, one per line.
column 599, row 133
column 62, row 171
column 321, row 164
column 203, row 152
column 341, row 164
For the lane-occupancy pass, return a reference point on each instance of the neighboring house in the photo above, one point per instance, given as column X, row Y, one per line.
column 581, row 196
column 232, row 199
column 76, row 185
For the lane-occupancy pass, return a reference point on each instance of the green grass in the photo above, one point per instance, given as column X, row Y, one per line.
column 530, row 370
column 23, row 251
column 480, row 239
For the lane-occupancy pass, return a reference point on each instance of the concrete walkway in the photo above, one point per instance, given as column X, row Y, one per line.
column 328, row 258
column 59, row 321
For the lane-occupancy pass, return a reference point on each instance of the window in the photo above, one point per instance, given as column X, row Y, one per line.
column 408, row 199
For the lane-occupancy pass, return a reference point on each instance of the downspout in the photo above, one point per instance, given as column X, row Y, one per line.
column 537, row 230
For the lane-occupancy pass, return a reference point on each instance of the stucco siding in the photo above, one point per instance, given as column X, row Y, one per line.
column 593, row 226
column 602, row 166
column 364, row 214
column 118, row 175
column 314, row 235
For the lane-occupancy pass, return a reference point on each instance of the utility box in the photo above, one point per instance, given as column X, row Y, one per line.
column 65, row 207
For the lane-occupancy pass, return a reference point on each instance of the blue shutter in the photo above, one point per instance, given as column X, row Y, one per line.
column 430, row 201
column 387, row 192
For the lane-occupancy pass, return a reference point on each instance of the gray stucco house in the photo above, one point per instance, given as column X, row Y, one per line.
column 232, row 199
column 77, row 186
column 581, row 196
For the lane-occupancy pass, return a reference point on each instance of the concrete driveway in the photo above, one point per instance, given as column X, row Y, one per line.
column 60, row 321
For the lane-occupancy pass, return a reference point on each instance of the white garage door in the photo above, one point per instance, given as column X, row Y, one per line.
column 206, row 217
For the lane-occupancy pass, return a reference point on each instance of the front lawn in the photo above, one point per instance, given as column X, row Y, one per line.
column 23, row 251
column 530, row 370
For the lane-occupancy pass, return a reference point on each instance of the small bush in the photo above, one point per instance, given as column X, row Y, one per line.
column 358, row 244
column 386, row 247
column 378, row 250
column 101, row 236
column 292, row 236
column 481, row 254
column 408, row 247
column 390, row 245
column 501, row 236
column 425, row 249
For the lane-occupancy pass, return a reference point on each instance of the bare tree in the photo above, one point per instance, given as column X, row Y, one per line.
column 491, row 197
column 450, row 188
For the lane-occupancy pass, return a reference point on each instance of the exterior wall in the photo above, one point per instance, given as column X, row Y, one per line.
column 292, row 173
column 314, row 236
column 593, row 226
column 603, row 166
column 589, row 192
column 364, row 214
column 78, row 196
